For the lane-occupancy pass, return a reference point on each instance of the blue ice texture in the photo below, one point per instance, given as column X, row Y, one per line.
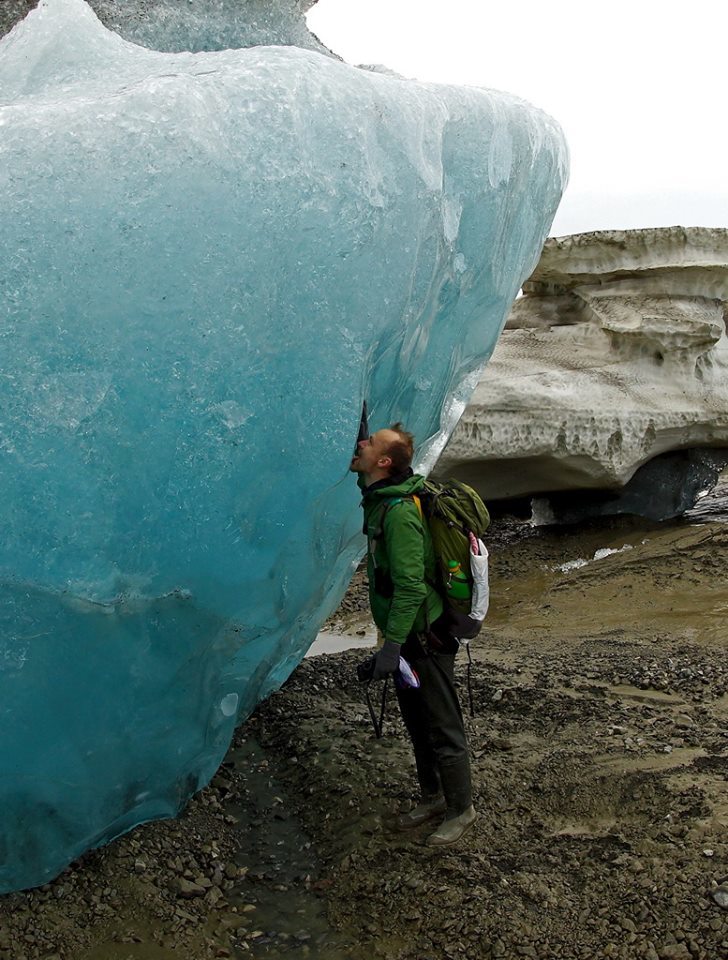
column 208, row 261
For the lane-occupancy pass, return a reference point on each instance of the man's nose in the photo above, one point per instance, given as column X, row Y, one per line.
column 362, row 443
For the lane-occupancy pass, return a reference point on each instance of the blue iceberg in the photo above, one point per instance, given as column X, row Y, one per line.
column 209, row 260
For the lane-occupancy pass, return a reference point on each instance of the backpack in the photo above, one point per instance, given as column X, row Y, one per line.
column 457, row 520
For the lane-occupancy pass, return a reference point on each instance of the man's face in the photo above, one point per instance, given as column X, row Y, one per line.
column 371, row 456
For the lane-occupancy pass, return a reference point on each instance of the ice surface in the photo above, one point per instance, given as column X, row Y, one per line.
column 209, row 260
column 175, row 26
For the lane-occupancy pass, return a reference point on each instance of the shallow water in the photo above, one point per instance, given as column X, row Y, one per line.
column 287, row 918
column 331, row 642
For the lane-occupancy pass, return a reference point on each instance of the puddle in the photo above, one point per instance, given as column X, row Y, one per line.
column 598, row 555
column 274, row 910
column 587, row 828
column 653, row 763
column 603, row 802
column 629, row 692
column 329, row 642
column 284, row 916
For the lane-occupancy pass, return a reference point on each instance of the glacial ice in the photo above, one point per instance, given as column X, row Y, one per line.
column 175, row 26
column 209, row 261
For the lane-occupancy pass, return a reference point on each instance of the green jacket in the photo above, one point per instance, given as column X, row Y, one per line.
column 400, row 559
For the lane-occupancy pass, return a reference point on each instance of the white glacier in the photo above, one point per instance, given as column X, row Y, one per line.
column 611, row 376
column 210, row 260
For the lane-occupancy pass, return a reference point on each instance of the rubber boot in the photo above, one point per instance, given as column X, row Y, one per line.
column 427, row 809
column 460, row 815
column 456, row 785
column 452, row 829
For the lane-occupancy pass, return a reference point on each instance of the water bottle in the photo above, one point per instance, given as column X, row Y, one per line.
column 458, row 587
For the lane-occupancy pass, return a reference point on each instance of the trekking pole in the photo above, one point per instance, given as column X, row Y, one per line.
column 470, row 682
column 377, row 724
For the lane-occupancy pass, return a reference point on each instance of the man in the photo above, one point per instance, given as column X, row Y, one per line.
column 409, row 613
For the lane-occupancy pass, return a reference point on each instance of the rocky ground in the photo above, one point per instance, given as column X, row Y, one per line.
column 600, row 757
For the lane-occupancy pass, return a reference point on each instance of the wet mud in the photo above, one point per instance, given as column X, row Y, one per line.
column 599, row 740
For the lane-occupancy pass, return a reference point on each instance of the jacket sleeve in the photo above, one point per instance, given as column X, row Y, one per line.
column 403, row 535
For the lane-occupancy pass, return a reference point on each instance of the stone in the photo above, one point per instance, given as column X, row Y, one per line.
column 187, row 888
column 616, row 355
column 720, row 895
column 674, row 951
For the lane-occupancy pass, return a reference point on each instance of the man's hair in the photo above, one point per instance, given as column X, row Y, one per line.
column 402, row 450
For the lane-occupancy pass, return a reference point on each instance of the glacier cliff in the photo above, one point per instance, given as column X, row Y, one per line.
column 611, row 367
column 211, row 259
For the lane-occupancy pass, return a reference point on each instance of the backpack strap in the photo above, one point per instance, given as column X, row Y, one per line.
column 378, row 531
column 378, row 534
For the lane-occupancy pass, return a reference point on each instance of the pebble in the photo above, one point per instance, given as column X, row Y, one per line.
column 214, row 895
column 186, row 888
column 674, row 951
column 206, row 873
column 720, row 895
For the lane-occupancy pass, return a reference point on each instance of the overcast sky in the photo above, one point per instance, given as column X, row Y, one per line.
column 639, row 86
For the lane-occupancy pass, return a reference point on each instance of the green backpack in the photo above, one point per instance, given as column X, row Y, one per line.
column 453, row 512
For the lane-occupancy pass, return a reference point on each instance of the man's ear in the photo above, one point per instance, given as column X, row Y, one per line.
column 384, row 462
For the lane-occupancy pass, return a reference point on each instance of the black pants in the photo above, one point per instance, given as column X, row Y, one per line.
column 434, row 720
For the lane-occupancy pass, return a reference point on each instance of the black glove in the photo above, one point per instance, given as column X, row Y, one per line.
column 365, row 669
column 386, row 660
